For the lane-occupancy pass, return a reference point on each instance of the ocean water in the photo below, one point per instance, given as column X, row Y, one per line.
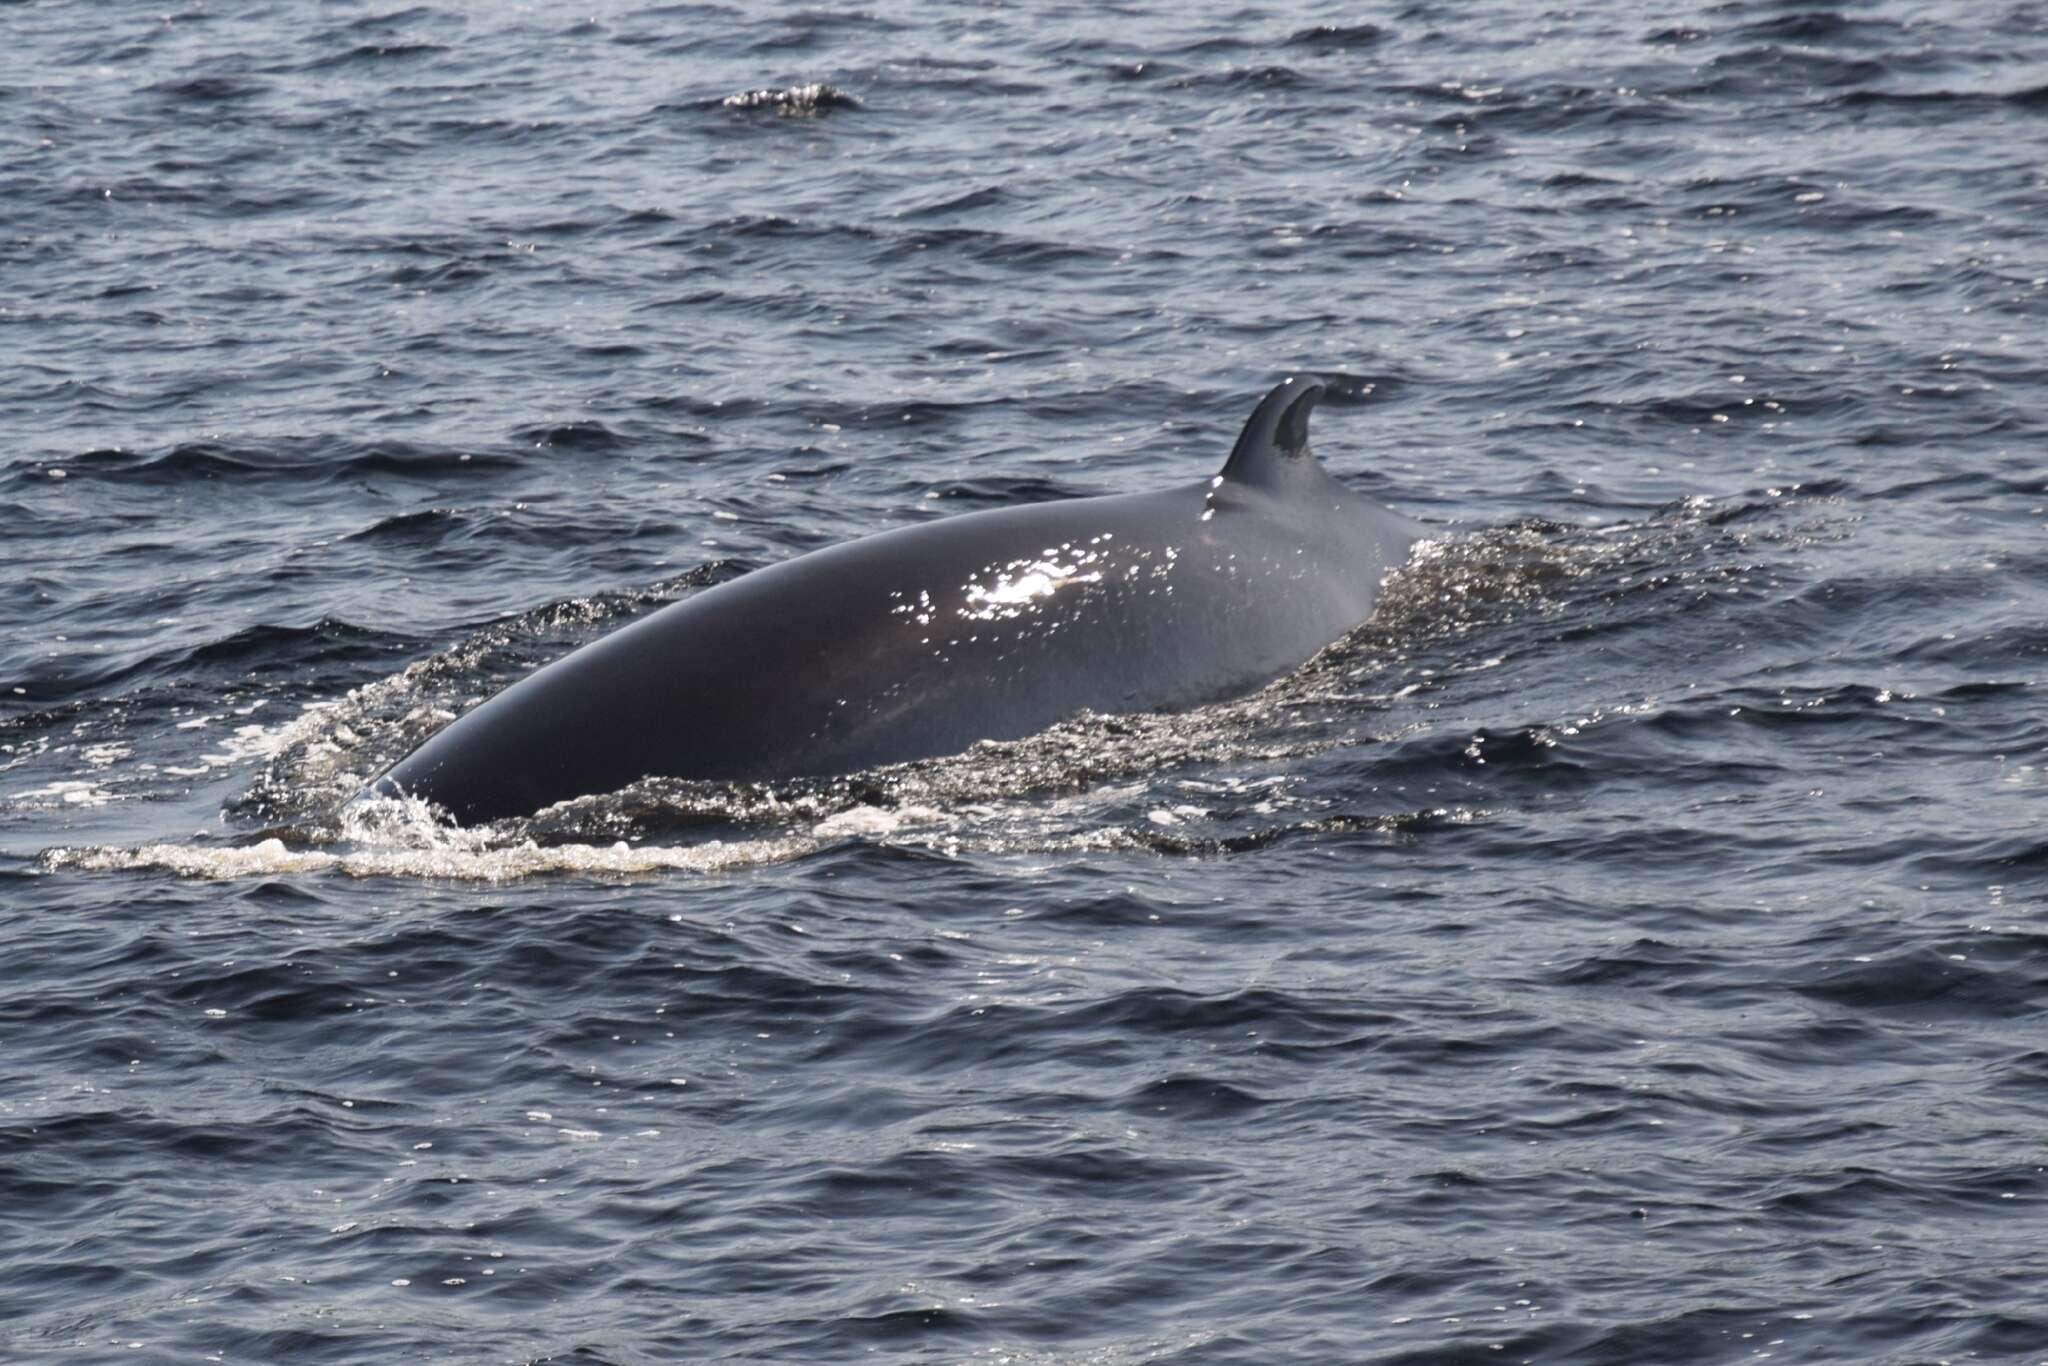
column 1629, row 946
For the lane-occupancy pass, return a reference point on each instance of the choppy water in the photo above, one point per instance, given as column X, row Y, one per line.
column 1628, row 947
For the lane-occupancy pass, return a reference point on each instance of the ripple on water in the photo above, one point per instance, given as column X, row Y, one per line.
column 1623, row 948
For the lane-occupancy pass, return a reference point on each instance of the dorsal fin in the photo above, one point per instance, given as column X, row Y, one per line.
column 1276, row 436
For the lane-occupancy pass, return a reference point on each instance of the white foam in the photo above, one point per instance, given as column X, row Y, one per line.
column 873, row 821
column 273, row 857
column 64, row 794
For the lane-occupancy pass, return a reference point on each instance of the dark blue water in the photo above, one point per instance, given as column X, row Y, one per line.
column 1628, row 947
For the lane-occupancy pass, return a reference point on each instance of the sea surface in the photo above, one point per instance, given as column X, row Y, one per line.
column 1630, row 946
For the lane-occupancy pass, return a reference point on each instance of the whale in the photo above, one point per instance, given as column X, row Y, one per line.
column 920, row 642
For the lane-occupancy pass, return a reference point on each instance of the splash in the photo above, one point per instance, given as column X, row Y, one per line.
column 796, row 101
column 1211, row 779
column 273, row 857
column 319, row 760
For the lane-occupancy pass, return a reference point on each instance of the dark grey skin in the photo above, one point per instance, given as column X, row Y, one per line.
column 919, row 642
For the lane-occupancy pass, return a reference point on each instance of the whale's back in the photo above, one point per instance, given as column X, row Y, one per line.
column 922, row 641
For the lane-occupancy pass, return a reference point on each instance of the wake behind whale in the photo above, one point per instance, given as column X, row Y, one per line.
column 920, row 642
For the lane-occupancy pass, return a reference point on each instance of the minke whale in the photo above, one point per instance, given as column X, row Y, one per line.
column 918, row 642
